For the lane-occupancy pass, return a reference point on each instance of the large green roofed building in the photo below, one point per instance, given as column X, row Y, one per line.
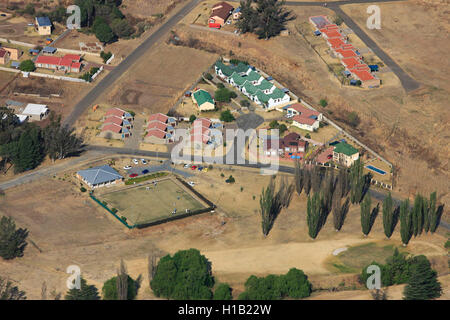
column 345, row 148
column 224, row 69
column 203, row 100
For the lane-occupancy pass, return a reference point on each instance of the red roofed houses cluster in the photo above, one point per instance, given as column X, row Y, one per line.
column 349, row 56
column 68, row 63
column 160, row 129
column 117, row 124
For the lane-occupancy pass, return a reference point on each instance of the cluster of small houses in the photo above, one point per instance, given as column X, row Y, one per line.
column 160, row 128
column 349, row 56
column 221, row 12
column 28, row 112
column 9, row 54
column 293, row 147
column 252, row 84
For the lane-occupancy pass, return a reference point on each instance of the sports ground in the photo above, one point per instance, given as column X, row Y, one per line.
column 152, row 202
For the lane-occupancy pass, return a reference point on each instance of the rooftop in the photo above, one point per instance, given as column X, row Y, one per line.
column 35, row 109
column 43, row 21
column 100, row 174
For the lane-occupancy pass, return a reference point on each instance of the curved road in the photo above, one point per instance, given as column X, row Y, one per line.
column 89, row 99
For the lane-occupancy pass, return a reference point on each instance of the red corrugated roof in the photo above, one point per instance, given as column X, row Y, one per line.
column 303, row 110
column 48, row 60
column 347, row 53
column 156, row 133
column 72, row 57
column 363, row 75
column 158, row 117
column 114, row 119
column 350, row 62
column 76, row 65
column 304, row 120
column 336, row 42
column 115, row 112
column 112, row 127
column 158, row 125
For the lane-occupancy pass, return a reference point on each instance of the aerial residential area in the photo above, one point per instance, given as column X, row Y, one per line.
column 233, row 150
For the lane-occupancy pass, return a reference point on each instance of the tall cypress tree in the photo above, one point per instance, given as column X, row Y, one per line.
column 388, row 216
column 314, row 218
column 405, row 222
column 417, row 216
column 422, row 283
column 365, row 214
column 29, row 150
column 426, row 216
column 432, row 212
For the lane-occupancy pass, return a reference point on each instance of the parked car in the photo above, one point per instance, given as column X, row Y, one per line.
column 145, row 171
column 205, row 169
column 186, row 166
column 135, row 161
column 133, row 175
column 31, row 24
column 229, row 22
column 200, row 168
column 289, row 115
column 191, row 183
column 127, row 167
column 144, row 161
column 329, row 156
column 193, row 167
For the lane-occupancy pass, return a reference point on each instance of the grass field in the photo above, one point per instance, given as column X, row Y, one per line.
column 357, row 257
column 141, row 205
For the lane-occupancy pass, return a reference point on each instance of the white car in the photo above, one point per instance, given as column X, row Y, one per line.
column 191, row 183
column 127, row 167
column 135, row 161
column 144, row 161
column 186, row 166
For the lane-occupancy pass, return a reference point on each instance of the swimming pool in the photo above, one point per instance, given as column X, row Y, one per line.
column 376, row 169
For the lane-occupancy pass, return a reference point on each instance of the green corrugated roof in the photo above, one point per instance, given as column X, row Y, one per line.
column 241, row 67
column 226, row 70
column 265, row 85
column 345, row 148
column 251, row 89
column 253, row 76
column 202, row 96
column 262, row 97
column 238, row 79
column 277, row 94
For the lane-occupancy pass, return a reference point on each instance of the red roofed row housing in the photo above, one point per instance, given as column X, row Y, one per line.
column 68, row 63
column 203, row 131
column 160, row 129
column 117, row 124
column 349, row 56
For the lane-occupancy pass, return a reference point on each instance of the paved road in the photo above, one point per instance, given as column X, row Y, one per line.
column 408, row 83
column 89, row 99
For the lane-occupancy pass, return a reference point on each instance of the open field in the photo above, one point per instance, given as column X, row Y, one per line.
column 75, row 230
column 158, row 79
column 141, row 205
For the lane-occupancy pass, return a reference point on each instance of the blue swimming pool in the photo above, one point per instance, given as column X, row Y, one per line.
column 376, row 169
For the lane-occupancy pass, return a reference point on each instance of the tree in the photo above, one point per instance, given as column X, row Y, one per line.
column 10, row 292
column 121, row 28
column 192, row 118
column 339, row 211
column 282, row 128
column 388, row 216
column 223, row 95
column 417, row 215
column 314, row 215
column 353, row 119
column 423, row 283
column 405, row 222
column 12, row 240
column 226, row 116
column 365, row 214
column 223, row 292
column 105, row 55
column 266, row 201
column 271, row 18
column 298, row 177
column 60, row 141
column 186, row 275
column 294, row 284
column 248, row 20
column 117, row 288
column 323, row 103
column 27, row 66
column 86, row 292
column 122, row 282
column 102, row 30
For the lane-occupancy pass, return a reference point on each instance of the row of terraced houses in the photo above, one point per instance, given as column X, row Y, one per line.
column 349, row 56
column 252, row 84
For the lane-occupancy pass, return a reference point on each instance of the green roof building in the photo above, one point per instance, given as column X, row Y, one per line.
column 223, row 69
column 253, row 76
column 241, row 68
column 264, row 85
column 238, row 80
column 203, row 99
column 345, row 154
